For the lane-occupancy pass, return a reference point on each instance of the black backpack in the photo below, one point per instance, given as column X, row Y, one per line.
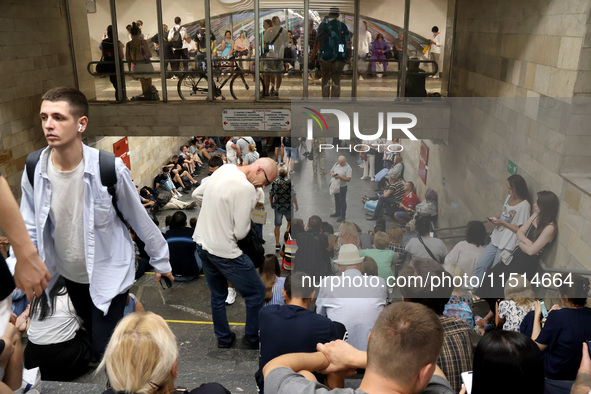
column 177, row 40
column 107, row 171
column 163, row 195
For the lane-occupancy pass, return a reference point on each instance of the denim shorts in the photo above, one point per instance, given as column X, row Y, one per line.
column 279, row 217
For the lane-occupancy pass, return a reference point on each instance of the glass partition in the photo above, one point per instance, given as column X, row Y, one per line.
column 330, row 49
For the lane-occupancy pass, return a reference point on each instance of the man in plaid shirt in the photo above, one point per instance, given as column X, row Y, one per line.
column 457, row 351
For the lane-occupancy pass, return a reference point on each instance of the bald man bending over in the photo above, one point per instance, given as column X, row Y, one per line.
column 227, row 200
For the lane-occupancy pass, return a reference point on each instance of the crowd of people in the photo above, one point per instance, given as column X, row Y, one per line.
column 80, row 241
column 281, row 54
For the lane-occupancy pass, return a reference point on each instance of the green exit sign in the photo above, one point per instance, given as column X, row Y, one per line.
column 511, row 167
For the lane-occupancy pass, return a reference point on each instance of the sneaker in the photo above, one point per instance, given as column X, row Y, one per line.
column 275, row 93
column 231, row 296
column 340, row 220
column 373, row 179
column 250, row 345
column 174, row 77
column 363, row 178
column 361, row 78
column 277, row 248
column 334, row 215
column 228, row 344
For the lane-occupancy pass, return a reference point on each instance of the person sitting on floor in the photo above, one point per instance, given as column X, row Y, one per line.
column 271, row 276
column 293, row 327
column 186, row 264
column 425, row 246
column 142, row 357
column 401, row 358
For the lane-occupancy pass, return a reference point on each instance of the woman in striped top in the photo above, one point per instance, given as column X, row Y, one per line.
column 270, row 273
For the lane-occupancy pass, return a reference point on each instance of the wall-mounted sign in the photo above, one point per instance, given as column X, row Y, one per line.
column 256, row 119
column 511, row 167
column 121, row 150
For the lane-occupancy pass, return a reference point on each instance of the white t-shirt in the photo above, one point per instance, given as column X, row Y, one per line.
column 345, row 171
column 364, row 42
column 436, row 48
column 67, row 216
column 227, row 200
column 502, row 237
column 465, row 255
column 190, row 46
column 60, row 327
column 231, row 153
column 243, row 143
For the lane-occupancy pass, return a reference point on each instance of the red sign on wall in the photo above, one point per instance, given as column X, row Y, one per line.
column 424, row 162
column 121, row 150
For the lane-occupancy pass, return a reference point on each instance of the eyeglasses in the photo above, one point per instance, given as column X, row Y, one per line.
column 267, row 179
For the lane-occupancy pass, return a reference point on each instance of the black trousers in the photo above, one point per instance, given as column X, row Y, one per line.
column 99, row 326
column 340, row 202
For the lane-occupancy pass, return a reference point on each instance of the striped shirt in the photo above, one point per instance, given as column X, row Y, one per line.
column 277, row 292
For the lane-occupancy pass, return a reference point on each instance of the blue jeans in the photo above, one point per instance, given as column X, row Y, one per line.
column 242, row 274
column 489, row 258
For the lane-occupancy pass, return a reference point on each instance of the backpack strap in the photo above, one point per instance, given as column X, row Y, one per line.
column 31, row 164
column 109, row 178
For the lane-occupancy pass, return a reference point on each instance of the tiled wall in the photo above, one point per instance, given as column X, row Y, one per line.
column 35, row 56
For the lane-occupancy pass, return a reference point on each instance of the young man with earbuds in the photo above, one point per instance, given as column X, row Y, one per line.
column 72, row 219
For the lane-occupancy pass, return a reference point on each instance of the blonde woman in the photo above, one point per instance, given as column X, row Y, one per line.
column 519, row 301
column 142, row 358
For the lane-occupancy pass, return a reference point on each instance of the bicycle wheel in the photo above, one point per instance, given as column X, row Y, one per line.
column 240, row 91
column 192, row 86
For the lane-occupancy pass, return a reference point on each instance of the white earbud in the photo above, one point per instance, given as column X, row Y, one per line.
column 79, row 128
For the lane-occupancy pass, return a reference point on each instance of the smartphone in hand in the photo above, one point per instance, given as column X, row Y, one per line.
column 544, row 309
column 467, row 380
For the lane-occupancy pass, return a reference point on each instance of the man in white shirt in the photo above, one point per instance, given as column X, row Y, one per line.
column 227, row 200
column 177, row 36
column 343, row 172
column 435, row 51
column 356, row 300
column 73, row 222
column 190, row 49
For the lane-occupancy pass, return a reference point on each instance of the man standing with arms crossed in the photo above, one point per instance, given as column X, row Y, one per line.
column 72, row 220
column 227, row 200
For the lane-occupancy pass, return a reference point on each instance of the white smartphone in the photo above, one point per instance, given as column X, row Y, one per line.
column 467, row 380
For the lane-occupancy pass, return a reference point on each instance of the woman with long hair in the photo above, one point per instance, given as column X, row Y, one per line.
column 270, row 273
column 142, row 357
column 516, row 210
column 137, row 52
column 56, row 342
column 539, row 231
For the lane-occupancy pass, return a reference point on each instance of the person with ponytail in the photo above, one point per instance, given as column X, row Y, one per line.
column 270, row 273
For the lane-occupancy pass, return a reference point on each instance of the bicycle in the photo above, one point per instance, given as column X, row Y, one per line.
column 193, row 85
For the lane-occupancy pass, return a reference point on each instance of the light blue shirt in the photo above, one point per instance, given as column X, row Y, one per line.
column 110, row 257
